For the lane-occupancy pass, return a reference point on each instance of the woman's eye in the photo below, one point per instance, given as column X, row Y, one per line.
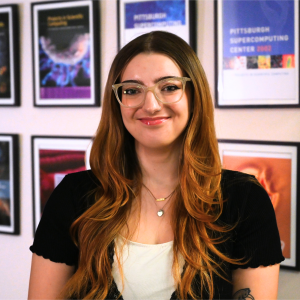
column 170, row 88
column 130, row 91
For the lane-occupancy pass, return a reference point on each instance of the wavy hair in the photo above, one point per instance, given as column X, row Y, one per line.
column 114, row 161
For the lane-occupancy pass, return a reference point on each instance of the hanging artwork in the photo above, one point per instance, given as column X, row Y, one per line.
column 257, row 53
column 9, row 184
column 136, row 17
column 275, row 165
column 53, row 158
column 9, row 56
column 66, row 53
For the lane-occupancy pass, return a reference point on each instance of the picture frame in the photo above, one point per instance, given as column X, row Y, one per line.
column 136, row 17
column 256, row 54
column 66, row 66
column 53, row 157
column 9, row 56
column 276, row 166
column 9, row 184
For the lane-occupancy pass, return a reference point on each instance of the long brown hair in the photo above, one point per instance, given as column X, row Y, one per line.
column 114, row 161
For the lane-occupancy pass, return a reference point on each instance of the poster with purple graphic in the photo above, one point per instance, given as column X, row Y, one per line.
column 137, row 17
column 257, row 53
column 66, row 54
column 9, row 60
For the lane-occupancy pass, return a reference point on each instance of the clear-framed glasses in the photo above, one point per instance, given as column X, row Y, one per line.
column 167, row 91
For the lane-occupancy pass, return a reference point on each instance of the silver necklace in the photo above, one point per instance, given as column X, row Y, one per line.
column 160, row 212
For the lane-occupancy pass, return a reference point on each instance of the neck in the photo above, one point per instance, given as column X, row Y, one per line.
column 159, row 168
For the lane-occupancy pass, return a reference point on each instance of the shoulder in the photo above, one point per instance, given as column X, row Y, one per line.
column 243, row 194
column 81, row 179
column 232, row 180
column 74, row 193
column 235, row 184
column 79, row 182
column 248, row 208
column 70, row 199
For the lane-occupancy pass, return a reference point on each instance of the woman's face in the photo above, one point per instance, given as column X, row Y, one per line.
column 153, row 124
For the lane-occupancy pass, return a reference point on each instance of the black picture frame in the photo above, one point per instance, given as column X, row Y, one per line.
column 53, row 157
column 9, row 184
column 187, row 31
column 253, row 66
column 66, row 66
column 276, row 166
column 9, row 56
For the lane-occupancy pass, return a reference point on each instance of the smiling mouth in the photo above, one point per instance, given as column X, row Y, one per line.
column 153, row 121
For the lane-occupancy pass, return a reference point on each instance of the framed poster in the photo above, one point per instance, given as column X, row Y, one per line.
column 66, row 53
column 53, row 157
column 9, row 56
column 276, row 166
column 257, row 53
column 9, row 184
column 136, row 17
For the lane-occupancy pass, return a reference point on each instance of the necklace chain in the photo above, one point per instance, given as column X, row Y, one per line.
column 161, row 212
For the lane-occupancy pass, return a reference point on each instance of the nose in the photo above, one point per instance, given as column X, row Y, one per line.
column 151, row 104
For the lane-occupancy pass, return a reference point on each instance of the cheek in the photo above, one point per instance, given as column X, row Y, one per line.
column 186, row 108
column 123, row 113
column 127, row 117
column 189, row 95
column 186, row 113
column 124, row 117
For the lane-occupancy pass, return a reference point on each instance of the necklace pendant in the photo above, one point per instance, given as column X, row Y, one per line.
column 160, row 213
column 160, row 199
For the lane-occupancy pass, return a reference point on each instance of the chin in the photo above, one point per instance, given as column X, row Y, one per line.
column 156, row 143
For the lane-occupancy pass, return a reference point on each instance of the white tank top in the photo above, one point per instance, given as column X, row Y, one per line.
column 147, row 270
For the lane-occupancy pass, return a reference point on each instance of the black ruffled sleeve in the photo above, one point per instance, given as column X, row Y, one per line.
column 256, row 237
column 52, row 239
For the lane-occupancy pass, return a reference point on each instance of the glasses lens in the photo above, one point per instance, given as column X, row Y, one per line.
column 131, row 94
column 169, row 90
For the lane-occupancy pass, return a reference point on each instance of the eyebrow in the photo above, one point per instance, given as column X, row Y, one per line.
column 155, row 81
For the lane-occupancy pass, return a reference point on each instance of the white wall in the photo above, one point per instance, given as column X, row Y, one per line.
column 260, row 124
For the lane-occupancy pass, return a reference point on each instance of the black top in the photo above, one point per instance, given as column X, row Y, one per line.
column 255, row 237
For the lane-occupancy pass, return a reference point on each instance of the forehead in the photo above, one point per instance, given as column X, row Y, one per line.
column 148, row 67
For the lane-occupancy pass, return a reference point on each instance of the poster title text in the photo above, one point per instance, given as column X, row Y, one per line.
column 57, row 21
column 264, row 38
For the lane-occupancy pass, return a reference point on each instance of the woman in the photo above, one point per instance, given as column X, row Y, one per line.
column 156, row 218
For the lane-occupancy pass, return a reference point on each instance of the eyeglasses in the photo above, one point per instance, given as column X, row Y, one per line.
column 166, row 91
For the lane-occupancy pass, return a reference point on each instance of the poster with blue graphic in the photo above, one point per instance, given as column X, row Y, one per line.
column 9, row 222
column 258, row 53
column 64, row 53
column 5, row 201
column 139, row 17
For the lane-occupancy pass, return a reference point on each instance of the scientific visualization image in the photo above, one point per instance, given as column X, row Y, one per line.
column 64, row 53
column 5, row 216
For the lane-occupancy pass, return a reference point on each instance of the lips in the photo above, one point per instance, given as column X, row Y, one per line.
column 153, row 121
